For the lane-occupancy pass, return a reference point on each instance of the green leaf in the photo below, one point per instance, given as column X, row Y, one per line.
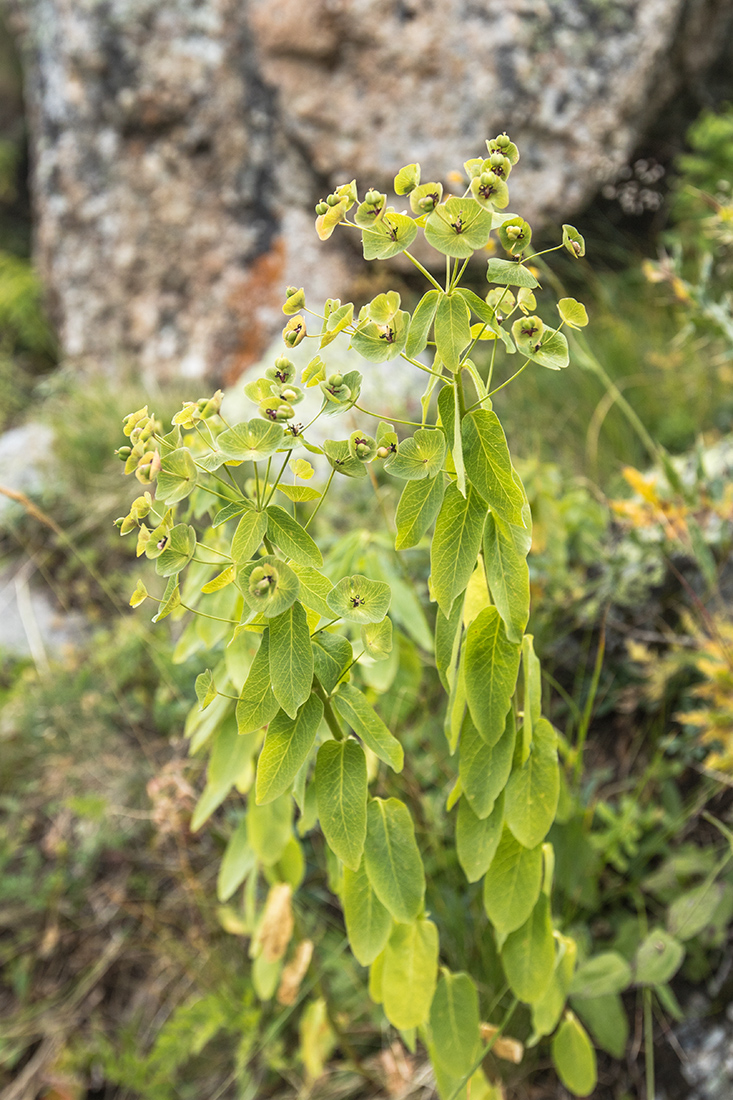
column 510, row 273
column 573, row 241
column 457, row 227
column 547, row 1011
column 379, row 343
column 341, row 794
column 488, row 465
column 314, row 589
column 573, row 313
column 528, row 954
column 177, row 476
column 533, row 789
column 257, row 705
column 488, row 315
column 484, row 771
column 236, row 864
column 139, row 595
column 352, row 706
column 251, row 441
column 448, row 633
column 221, row 580
column 291, row 658
column 407, row 179
column 392, row 859
column 269, row 828
column 690, row 913
column 574, row 1057
column 455, row 544
column 505, row 548
column 454, row 1023
column 410, row 972
column 171, row 600
column 422, row 319
column 230, row 755
column 512, row 884
column 393, row 234
column 179, row 550
column 359, row 599
column 337, row 321
column 477, row 840
column 419, row 456
column 658, row 958
column 608, row 972
column 332, row 655
column 377, row 639
column 492, row 665
column 368, row 923
column 205, row 689
column 229, row 511
column 452, row 329
column 250, row 532
column 607, row 1020
column 286, row 748
column 299, row 494
column 293, row 540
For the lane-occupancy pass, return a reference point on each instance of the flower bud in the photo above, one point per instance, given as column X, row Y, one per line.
column 285, row 412
column 332, row 200
column 123, row 453
column 119, row 521
column 383, row 452
column 335, row 380
column 295, row 331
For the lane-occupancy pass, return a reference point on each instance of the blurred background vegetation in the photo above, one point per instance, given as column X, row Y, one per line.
column 121, row 974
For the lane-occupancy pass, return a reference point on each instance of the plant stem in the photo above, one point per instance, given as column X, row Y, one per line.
column 328, row 711
column 476, row 1065
column 277, row 479
column 420, row 267
column 396, row 419
column 649, row 1044
column 461, row 395
column 588, row 708
column 515, row 375
column 314, row 513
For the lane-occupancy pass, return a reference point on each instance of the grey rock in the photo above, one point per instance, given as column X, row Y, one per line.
column 178, row 148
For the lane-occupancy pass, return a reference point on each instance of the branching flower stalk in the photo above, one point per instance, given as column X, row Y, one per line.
column 286, row 713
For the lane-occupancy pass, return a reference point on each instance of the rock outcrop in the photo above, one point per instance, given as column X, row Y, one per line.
column 178, row 148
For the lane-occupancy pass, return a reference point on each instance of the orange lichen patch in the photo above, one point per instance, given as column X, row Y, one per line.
column 256, row 296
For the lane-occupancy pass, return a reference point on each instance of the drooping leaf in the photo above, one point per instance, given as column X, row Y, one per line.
column 409, row 973
column 292, row 539
column 286, row 748
column 528, row 954
column 488, row 465
column 547, row 1011
column 512, row 884
column 222, row 579
column 484, row 771
column 353, row 707
column 368, row 923
column 230, row 511
column 448, row 633
column 492, row 665
column 269, row 828
column 407, row 179
column 422, row 318
column 237, row 862
column 418, row 506
column 607, row 1021
column 392, row 859
column 454, row 1023
column 359, row 599
column 452, row 329
column 291, row 658
column 534, row 788
column 251, row 441
column 488, row 317
column 477, row 840
column 257, row 704
column 455, row 544
column 508, row 573
column 171, row 600
column 250, row 532
column 574, row 1057
column 341, row 794
column 419, row 456
column 694, row 910
column 573, row 241
column 205, row 689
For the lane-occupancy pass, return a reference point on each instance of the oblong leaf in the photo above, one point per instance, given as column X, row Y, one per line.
column 257, row 704
column 574, row 1057
column 392, row 858
column 422, row 319
column 510, row 273
column 455, row 545
column 454, row 1023
column 534, row 788
column 368, row 923
column 477, row 840
column 484, row 771
column 291, row 658
column 410, row 973
column 286, row 748
column 488, row 465
column 418, row 506
column 492, row 665
column 250, row 532
column 507, row 571
column 528, row 954
column 341, row 797
column 452, row 329
column 512, row 884
column 291, row 537
column 355, row 709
